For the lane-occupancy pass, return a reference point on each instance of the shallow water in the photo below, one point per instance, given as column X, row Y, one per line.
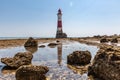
column 55, row 58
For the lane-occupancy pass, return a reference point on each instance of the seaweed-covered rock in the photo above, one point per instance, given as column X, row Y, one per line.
column 21, row 58
column 52, row 44
column 79, row 58
column 41, row 46
column 30, row 72
column 114, row 40
column 57, row 41
column 104, row 40
column 31, row 43
column 106, row 64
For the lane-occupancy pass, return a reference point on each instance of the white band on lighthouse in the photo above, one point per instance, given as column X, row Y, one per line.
column 59, row 17
column 59, row 29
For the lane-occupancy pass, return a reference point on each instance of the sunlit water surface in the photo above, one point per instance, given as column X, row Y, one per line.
column 55, row 58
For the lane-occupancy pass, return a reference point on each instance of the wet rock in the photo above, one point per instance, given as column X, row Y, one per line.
column 30, row 72
column 104, row 40
column 79, row 58
column 31, row 43
column 41, row 46
column 106, row 64
column 57, row 41
column 52, row 44
column 21, row 58
column 114, row 40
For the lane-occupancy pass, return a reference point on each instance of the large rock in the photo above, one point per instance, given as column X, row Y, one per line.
column 79, row 58
column 103, row 40
column 114, row 40
column 21, row 58
column 31, row 43
column 29, row 72
column 106, row 64
column 52, row 44
column 41, row 46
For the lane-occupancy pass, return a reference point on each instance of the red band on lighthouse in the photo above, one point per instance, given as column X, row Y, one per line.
column 59, row 24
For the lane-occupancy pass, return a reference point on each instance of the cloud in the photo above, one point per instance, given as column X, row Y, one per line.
column 71, row 4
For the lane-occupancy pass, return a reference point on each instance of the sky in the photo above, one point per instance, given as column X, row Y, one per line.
column 38, row 18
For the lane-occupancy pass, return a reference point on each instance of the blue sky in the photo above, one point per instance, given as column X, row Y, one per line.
column 37, row 18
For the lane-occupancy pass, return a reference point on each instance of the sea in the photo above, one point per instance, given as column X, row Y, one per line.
column 7, row 38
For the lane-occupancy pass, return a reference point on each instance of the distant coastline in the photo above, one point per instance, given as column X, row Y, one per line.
column 8, row 38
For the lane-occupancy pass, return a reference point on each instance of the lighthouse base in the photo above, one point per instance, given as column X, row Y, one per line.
column 61, row 35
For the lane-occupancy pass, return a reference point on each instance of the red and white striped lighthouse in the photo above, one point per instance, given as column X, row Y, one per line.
column 59, row 24
column 60, row 33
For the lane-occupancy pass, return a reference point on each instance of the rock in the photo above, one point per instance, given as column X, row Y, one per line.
column 41, row 46
column 30, row 72
column 103, row 40
column 31, row 43
column 114, row 40
column 21, row 58
column 57, row 41
column 79, row 58
column 106, row 64
column 52, row 44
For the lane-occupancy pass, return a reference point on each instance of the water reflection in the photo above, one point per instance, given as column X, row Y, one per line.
column 59, row 50
column 8, row 70
column 31, row 49
column 78, row 69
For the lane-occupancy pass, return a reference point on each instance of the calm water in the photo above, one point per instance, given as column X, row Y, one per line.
column 55, row 58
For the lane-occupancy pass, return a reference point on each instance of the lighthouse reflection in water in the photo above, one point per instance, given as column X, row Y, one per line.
column 59, row 49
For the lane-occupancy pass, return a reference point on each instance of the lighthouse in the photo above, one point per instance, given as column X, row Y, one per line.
column 59, row 33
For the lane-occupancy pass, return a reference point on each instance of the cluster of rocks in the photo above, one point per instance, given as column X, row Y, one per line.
column 22, row 62
column 106, row 64
column 105, row 40
column 79, row 58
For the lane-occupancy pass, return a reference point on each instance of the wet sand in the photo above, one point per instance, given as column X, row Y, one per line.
column 17, row 42
column 54, row 58
column 20, row 42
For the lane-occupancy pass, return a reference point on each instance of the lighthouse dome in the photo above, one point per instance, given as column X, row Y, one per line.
column 59, row 11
